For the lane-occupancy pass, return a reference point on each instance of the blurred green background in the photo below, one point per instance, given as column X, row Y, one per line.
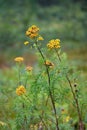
column 63, row 19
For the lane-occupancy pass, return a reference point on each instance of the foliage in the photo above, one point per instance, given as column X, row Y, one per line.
column 50, row 95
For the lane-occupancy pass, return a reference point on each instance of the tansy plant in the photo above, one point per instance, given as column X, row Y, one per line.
column 44, row 98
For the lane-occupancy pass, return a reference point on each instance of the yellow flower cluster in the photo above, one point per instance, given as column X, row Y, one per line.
column 54, row 44
column 32, row 31
column 19, row 59
column 48, row 63
column 29, row 68
column 20, row 90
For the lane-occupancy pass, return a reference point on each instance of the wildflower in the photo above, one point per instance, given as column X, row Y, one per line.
column 26, row 42
column 67, row 119
column 19, row 59
column 29, row 68
column 40, row 38
column 54, row 44
column 32, row 31
column 20, row 90
column 48, row 63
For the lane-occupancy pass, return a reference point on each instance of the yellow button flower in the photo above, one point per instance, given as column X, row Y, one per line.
column 48, row 63
column 55, row 43
column 20, row 90
column 40, row 38
column 32, row 31
column 29, row 68
column 19, row 59
column 26, row 42
column 67, row 119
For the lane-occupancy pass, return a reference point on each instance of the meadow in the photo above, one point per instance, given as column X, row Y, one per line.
column 53, row 83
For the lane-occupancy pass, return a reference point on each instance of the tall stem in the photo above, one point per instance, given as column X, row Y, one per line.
column 81, row 126
column 50, row 93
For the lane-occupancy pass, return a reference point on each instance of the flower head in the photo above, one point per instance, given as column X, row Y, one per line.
column 49, row 64
column 26, row 42
column 20, row 90
column 32, row 31
column 29, row 68
column 67, row 119
column 19, row 59
column 54, row 44
column 40, row 38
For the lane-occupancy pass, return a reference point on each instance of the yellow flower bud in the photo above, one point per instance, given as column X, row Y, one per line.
column 19, row 59
column 26, row 42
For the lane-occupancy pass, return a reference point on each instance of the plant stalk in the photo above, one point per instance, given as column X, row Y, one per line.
column 51, row 96
column 81, row 125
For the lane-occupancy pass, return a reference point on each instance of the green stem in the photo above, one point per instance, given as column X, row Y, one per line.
column 51, row 96
column 58, row 55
